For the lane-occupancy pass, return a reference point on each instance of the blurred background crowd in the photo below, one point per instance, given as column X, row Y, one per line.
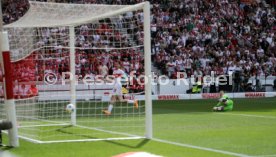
column 197, row 37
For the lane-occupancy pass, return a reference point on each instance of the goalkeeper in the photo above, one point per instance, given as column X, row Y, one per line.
column 224, row 104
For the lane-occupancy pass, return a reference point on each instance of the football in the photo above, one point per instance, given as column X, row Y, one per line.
column 70, row 108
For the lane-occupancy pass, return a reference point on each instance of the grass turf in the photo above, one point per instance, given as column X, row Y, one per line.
column 249, row 129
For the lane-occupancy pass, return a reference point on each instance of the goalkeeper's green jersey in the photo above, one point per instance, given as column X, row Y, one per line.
column 225, row 96
column 229, row 103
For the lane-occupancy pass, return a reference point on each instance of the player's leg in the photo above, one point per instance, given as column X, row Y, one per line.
column 225, row 108
column 218, row 107
column 116, row 92
column 113, row 99
column 134, row 102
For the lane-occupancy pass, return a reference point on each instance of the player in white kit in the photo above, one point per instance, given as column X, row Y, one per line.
column 117, row 95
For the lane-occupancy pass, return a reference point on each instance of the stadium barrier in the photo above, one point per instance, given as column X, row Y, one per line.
column 201, row 96
column 106, row 97
column 170, row 87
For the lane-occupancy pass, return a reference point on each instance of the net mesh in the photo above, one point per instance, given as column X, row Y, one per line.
column 40, row 51
column 58, row 16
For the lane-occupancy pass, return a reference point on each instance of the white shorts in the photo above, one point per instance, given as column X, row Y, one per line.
column 117, row 90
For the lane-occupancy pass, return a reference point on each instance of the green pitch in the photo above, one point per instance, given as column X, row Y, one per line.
column 185, row 128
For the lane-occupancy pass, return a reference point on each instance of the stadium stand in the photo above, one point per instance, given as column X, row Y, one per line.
column 192, row 36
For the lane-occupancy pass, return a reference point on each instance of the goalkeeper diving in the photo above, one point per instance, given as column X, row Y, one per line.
column 224, row 104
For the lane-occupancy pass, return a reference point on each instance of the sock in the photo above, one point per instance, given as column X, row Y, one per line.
column 110, row 107
column 130, row 101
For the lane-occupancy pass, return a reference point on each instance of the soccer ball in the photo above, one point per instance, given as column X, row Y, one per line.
column 70, row 108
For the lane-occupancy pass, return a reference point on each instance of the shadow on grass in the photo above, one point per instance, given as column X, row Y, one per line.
column 62, row 130
column 5, row 148
column 138, row 145
column 205, row 106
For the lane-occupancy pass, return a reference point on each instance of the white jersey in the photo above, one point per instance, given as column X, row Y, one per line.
column 117, row 89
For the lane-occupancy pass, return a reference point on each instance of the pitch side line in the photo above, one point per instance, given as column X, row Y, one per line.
column 201, row 148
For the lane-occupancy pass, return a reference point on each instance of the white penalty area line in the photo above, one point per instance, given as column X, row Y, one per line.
column 201, row 148
column 232, row 114
column 247, row 115
column 274, row 155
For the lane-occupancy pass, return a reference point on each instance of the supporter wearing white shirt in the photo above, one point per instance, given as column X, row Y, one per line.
column 126, row 65
column 268, row 63
column 242, row 61
column 256, row 64
column 96, row 38
column 184, row 38
column 86, row 45
column 84, row 28
column 238, row 68
column 204, row 61
column 103, row 69
column 135, row 65
column 269, row 39
column 247, row 66
column 129, row 15
column 106, row 58
column 83, row 61
column 260, row 51
column 16, row 91
column 156, row 47
column 180, row 64
column 188, row 63
column 153, row 27
column 231, row 69
column 196, row 48
column 23, row 91
column 208, row 36
column 78, row 67
column 48, row 71
column 171, row 67
column 219, row 53
column 273, row 59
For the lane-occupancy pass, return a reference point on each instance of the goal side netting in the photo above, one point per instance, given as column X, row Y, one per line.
column 62, row 54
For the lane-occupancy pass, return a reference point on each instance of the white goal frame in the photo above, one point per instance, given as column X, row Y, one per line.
column 145, row 6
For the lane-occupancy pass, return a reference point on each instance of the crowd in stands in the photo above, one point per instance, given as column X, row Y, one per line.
column 14, row 9
column 191, row 36
column 221, row 36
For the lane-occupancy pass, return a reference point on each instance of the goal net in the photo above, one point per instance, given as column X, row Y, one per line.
column 63, row 54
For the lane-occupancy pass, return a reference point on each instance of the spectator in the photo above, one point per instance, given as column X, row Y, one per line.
column 23, row 91
column 33, row 91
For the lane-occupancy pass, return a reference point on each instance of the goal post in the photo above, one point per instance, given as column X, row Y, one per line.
column 52, row 38
column 147, row 47
column 9, row 103
column 73, row 71
column 7, row 85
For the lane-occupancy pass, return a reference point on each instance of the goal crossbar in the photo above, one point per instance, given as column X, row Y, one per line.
column 45, row 14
